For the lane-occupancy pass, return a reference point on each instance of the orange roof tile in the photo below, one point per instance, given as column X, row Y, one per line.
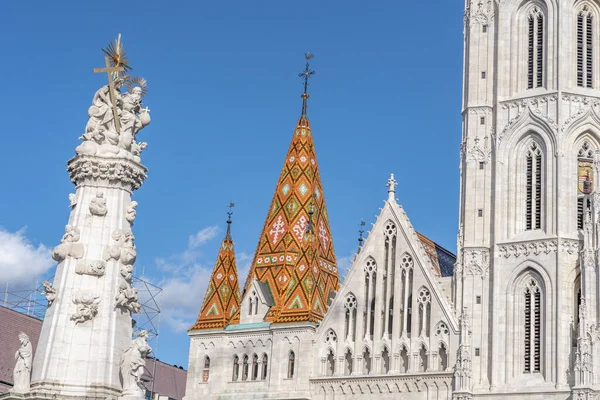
column 222, row 300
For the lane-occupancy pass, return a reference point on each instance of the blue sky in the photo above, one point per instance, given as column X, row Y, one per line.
column 224, row 98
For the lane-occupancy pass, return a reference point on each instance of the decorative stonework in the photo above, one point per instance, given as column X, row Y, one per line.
column 50, row 292
column 477, row 262
column 86, row 307
column 525, row 249
column 130, row 212
column 72, row 200
column 94, row 170
column 94, row 268
column 22, row 370
column 124, row 248
column 479, row 152
column 132, row 366
column 67, row 246
column 98, row 205
column 570, row 246
column 128, row 299
column 126, row 272
column 479, row 12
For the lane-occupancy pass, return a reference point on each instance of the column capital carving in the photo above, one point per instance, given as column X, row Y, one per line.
column 106, row 171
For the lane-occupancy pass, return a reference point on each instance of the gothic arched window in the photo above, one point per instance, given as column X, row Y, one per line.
column 422, row 359
column 585, row 181
column 533, row 326
column 245, row 367
column 585, row 57
column 385, row 359
column 330, row 364
column 264, row 365
column 291, row 364
column 236, row 368
column 206, row 370
column 348, row 362
column 370, row 294
column 533, row 187
column 350, row 306
column 443, row 357
column 535, row 48
column 367, row 361
column 254, row 367
column 406, row 271
column 424, row 301
column 404, row 360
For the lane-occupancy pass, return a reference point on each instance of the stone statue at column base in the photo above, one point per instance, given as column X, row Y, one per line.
column 132, row 367
column 22, row 371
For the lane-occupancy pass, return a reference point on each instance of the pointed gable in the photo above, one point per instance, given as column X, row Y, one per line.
column 283, row 258
column 222, row 300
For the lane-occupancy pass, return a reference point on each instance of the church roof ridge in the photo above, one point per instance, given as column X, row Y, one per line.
column 222, row 300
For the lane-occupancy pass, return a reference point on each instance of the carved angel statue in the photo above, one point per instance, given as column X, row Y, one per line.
column 127, row 298
column 98, row 205
column 132, row 365
column 67, row 246
column 130, row 212
column 22, row 371
column 50, row 292
column 124, row 248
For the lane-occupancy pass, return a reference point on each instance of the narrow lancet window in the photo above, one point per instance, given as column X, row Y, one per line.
column 533, row 192
column 585, row 48
column 533, row 326
column 535, row 49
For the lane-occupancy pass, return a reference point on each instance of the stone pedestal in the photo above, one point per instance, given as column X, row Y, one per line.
column 85, row 331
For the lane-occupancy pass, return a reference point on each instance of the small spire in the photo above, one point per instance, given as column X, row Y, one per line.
column 229, row 214
column 360, row 234
column 391, row 184
column 306, row 74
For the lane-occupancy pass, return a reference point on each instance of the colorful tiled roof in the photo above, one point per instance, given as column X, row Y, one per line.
column 222, row 300
column 300, row 271
column 442, row 259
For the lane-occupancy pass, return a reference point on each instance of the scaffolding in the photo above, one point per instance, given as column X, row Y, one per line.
column 26, row 301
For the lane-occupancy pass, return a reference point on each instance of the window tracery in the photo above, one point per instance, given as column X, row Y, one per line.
column 535, row 48
column 350, row 308
column 441, row 329
column 585, row 56
column 532, row 325
column 585, row 180
column 533, row 185
column 424, row 301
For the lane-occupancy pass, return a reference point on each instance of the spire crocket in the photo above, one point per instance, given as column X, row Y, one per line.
column 295, row 253
column 222, row 300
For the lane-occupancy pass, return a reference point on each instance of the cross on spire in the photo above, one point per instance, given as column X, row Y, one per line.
column 305, row 75
column 112, row 73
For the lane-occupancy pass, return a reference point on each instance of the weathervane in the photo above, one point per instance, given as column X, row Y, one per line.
column 306, row 74
column 360, row 233
column 229, row 214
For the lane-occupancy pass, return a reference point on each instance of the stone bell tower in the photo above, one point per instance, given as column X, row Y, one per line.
column 85, row 348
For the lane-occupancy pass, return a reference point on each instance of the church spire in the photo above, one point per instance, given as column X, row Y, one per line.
column 295, row 255
column 222, row 300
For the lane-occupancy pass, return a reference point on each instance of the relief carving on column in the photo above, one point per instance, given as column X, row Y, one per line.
column 72, row 200
column 130, row 212
column 98, row 205
column 67, row 246
column 124, row 248
column 128, row 298
column 86, row 306
column 94, row 268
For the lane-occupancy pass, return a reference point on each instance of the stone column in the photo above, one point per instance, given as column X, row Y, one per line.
column 87, row 329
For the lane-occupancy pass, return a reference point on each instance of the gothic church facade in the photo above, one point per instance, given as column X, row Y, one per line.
column 513, row 315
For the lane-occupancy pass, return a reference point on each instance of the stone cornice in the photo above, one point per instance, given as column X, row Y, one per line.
column 106, row 172
column 410, row 382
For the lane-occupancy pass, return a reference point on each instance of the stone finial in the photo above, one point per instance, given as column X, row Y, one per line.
column 391, row 184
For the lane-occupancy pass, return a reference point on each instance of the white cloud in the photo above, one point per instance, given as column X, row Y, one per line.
column 185, row 281
column 21, row 262
column 344, row 265
column 203, row 236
